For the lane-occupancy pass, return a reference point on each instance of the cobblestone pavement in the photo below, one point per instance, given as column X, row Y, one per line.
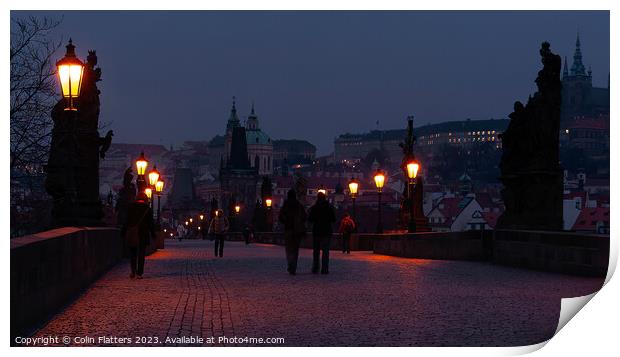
column 366, row 300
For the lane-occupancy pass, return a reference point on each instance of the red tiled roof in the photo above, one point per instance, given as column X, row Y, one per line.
column 491, row 218
column 588, row 217
column 600, row 199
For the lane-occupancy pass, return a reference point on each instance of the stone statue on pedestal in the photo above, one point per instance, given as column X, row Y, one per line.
column 73, row 165
column 530, row 169
column 418, row 190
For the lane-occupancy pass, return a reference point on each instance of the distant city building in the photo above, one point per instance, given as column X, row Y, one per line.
column 260, row 146
column 258, row 143
column 293, row 152
column 355, row 147
column 579, row 97
column 589, row 134
column 238, row 179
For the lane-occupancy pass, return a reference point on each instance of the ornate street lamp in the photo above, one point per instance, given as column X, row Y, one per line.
column 153, row 176
column 149, row 192
column 141, row 164
column 268, row 202
column 159, row 189
column 411, row 169
column 70, row 73
column 379, row 182
column 353, row 187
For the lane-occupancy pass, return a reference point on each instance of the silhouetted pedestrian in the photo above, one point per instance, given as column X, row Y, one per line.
column 322, row 217
column 181, row 231
column 347, row 227
column 218, row 227
column 204, row 228
column 293, row 217
column 247, row 233
column 138, row 231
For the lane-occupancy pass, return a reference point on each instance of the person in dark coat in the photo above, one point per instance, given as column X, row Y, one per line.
column 247, row 233
column 219, row 227
column 138, row 232
column 347, row 227
column 293, row 217
column 322, row 217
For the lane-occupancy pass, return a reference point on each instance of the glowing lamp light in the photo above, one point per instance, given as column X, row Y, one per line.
column 353, row 186
column 141, row 164
column 322, row 190
column 217, row 213
column 191, row 220
column 149, row 192
column 237, row 209
column 70, row 73
column 159, row 186
column 153, row 176
column 186, row 223
column 379, row 180
column 198, row 227
column 165, row 230
column 268, row 202
column 171, row 235
column 202, row 216
column 412, row 169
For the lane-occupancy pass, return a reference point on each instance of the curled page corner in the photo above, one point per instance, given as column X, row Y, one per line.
column 570, row 307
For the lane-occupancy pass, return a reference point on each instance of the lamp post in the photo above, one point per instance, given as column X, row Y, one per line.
column 149, row 193
column 141, row 165
column 412, row 168
column 159, row 189
column 353, row 186
column 153, row 178
column 63, row 164
column 379, row 182
column 268, row 218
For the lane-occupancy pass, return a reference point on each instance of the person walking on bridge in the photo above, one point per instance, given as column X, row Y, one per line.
column 218, row 227
column 293, row 217
column 138, row 231
column 322, row 217
column 347, row 227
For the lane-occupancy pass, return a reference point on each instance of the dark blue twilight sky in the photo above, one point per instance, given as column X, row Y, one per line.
column 169, row 76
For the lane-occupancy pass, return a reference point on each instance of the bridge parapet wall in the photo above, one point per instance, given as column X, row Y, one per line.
column 49, row 268
column 563, row 252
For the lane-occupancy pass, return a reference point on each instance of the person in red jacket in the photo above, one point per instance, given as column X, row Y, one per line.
column 347, row 227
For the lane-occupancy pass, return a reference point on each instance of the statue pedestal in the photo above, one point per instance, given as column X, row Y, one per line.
column 533, row 201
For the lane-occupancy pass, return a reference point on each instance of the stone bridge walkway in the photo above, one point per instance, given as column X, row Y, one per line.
column 366, row 300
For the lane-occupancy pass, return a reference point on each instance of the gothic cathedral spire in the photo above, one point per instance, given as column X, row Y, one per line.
column 233, row 119
column 577, row 69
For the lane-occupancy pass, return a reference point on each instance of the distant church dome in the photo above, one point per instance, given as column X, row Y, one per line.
column 254, row 135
